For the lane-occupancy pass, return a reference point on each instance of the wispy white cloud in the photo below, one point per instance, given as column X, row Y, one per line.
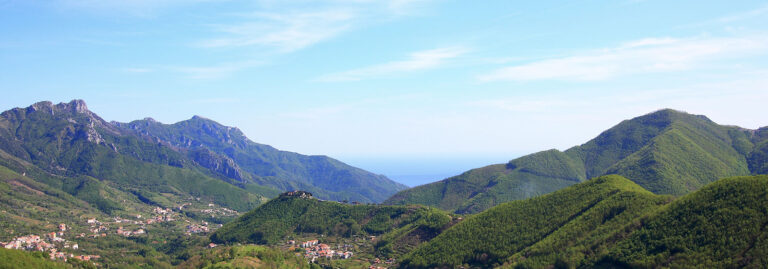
column 203, row 72
column 137, row 70
column 285, row 31
column 215, row 71
column 126, row 7
column 747, row 88
column 585, row 113
column 641, row 56
column 763, row 10
column 421, row 60
column 293, row 25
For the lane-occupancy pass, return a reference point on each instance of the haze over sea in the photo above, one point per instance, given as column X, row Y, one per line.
column 418, row 170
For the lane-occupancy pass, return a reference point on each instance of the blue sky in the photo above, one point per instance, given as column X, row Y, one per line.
column 445, row 85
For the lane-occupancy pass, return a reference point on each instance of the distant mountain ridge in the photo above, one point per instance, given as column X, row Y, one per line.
column 666, row 152
column 227, row 151
column 68, row 147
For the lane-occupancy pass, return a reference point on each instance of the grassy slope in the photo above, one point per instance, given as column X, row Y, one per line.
column 28, row 206
column 564, row 220
column 666, row 152
column 17, row 259
column 687, row 156
column 248, row 256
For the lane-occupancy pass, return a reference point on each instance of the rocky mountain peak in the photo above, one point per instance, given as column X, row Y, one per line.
column 77, row 106
column 74, row 106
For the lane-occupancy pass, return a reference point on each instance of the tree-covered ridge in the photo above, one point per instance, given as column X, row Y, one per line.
column 666, row 152
column 289, row 215
column 611, row 222
column 567, row 219
column 227, row 151
column 723, row 225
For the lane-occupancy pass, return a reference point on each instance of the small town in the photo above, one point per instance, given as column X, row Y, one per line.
column 52, row 243
column 314, row 250
column 57, row 247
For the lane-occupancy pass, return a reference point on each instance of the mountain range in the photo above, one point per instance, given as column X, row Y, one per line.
column 665, row 152
column 663, row 190
column 70, row 148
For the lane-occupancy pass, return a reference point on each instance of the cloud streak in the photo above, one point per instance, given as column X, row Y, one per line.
column 745, row 15
column 285, row 31
column 290, row 26
column 652, row 55
column 139, row 8
column 215, row 71
column 417, row 61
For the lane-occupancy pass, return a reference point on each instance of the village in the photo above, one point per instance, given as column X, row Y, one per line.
column 313, row 250
column 316, row 252
column 57, row 247
column 52, row 243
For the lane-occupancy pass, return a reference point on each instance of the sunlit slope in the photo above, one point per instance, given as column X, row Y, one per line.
column 87, row 156
column 566, row 221
column 19, row 259
column 665, row 152
column 290, row 215
column 723, row 225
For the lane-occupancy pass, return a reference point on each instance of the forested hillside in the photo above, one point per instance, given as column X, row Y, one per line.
column 557, row 225
column 723, row 225
column 610, row 222
column 665, row 152
column 290, row 215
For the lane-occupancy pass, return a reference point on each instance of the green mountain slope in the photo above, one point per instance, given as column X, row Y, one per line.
column 17, row 259
column 248, row 256
column 401, row 228
column 227, row 151
column 564, row 223
column 723, row 225
column 665, row 152
column 29, row 206
column 611, row 222
column 87, row 156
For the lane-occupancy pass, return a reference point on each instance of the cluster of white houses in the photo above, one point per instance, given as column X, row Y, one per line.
column 195, row 228
column 314, row 250
column 99, row 229
column 128, row 233
column 51, row 243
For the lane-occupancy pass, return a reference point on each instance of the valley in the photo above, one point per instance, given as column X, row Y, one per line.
column 664, row 189
column 383, row 134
